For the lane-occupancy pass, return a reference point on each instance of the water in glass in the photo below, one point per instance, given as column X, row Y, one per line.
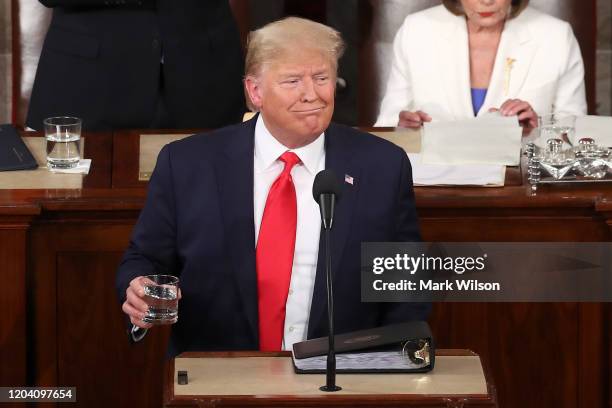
column 63, row 150
column 163, row 304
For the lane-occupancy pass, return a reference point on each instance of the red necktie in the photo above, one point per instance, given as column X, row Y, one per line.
column 275, row 247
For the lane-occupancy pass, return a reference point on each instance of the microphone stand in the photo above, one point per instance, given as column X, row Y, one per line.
column 330, row 385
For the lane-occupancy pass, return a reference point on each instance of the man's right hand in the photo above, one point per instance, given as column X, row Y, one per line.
column 135, row 306
column 413, row 120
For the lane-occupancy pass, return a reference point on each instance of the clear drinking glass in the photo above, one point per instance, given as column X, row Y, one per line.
column 558, row 126
column 161, row 294
column 63, row 136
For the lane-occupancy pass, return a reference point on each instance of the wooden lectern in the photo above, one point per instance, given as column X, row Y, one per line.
column 249, row 379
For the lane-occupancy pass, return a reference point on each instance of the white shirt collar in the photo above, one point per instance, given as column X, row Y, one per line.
column 268, row 149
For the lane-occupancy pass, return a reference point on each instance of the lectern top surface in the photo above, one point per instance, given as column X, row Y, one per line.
column 271, row 376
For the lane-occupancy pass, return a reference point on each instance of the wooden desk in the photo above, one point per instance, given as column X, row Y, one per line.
column 62, row 325
column 267, row 379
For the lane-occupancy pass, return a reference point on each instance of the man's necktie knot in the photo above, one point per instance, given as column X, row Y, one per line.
column 290, row 159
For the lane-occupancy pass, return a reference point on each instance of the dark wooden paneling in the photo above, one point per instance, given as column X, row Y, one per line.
column 13, row 304
column 126, row 154
column 93, row 352
column 607, row 366
column 528, row 347
column 507, row 229
column 594, row 353
column 81, row 335
column 541, row 347
column 99, row 148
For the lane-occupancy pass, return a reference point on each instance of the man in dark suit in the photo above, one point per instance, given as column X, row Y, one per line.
column 232, row 214
column 140, row 64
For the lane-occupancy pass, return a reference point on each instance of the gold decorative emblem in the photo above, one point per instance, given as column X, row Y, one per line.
column 507, row 74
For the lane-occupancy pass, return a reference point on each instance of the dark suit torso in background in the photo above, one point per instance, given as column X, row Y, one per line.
column 198, row 223
column 101, row 62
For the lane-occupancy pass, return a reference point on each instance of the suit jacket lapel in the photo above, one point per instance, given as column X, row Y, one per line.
column 338, row 157
column 454, row 69
column 514, row 56
column 235, row 185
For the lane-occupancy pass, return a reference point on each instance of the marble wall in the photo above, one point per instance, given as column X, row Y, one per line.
column 5, row 61
column 604, row 59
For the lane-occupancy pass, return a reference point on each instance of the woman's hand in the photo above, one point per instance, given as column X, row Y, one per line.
column 527, row 117
column 413, row 120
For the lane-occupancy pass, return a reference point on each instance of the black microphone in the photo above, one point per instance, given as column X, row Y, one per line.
column 326, row 191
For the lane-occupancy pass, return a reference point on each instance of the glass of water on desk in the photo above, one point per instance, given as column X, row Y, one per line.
column 558, row 126
column 63, row 136
column 161, row 295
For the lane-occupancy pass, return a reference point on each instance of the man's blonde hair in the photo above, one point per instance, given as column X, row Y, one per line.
column 269, row 43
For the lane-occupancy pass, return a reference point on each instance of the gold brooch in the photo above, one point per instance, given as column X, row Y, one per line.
column 507, row 72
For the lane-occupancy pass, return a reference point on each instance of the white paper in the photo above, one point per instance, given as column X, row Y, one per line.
column 490, row 139
column 456, row 175
column 382, row 360
column 81, row 168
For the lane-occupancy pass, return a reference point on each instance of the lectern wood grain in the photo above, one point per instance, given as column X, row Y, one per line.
column 268, row 379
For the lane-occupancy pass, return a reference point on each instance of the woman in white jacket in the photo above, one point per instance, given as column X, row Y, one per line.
column 468, row 57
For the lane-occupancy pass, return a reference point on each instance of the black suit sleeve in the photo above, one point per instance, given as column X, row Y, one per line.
column 407, row 231
column 93, row 3
column 407, row 221
column 152, row 248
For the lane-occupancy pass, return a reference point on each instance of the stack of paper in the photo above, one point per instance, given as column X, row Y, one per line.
column 470, row 152
column 374, row 361
column 455, row 175
column 491, row 139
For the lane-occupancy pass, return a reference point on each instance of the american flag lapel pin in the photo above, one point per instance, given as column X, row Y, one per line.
column 349, row 179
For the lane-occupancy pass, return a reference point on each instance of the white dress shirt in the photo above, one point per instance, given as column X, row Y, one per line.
column 267, row 168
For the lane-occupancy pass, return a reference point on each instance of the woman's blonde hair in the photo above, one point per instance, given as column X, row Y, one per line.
column 454, row 6
column 270, row 43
